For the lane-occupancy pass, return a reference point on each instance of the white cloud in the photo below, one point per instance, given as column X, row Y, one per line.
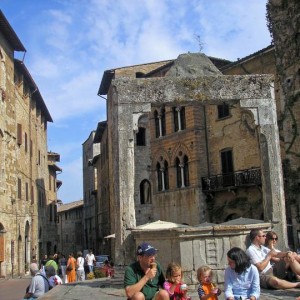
column 71, row 178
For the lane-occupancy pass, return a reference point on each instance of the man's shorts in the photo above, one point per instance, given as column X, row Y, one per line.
column 265, row 279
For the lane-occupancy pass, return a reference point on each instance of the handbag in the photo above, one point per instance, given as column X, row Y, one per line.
column 69, row 267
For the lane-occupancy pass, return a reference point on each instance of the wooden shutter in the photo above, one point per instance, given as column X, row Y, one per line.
column 19, row 134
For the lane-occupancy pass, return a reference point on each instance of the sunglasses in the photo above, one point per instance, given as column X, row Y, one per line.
column 262, row 235
column 274, row 239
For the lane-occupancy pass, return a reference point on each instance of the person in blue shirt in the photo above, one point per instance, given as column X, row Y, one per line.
column 241, row 277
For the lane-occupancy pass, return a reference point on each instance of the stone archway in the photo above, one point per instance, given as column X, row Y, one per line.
column 254, row 93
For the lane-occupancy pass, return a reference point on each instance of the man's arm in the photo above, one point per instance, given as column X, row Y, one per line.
column 263, row 264
column 132, row 289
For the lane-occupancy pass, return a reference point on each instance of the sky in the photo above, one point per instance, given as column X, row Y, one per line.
column 70, row 43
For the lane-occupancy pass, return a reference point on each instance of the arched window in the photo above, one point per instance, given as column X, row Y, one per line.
column 145, row 192
column 166, row 175
column 160, row 123
column 159, row 177
column 178, row 172
column 157, row 126
column 182, row 171
column 186, row 171
column 179, row 118
column 141, row 137
column 163, row 122
column 162, row 175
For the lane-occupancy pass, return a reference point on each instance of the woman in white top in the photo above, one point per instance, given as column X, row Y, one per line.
column 80, row 267
column 281, row 265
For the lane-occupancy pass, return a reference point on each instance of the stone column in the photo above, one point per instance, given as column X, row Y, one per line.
column 264, row 111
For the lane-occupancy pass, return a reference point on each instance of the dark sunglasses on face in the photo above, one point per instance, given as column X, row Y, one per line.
column 262, row 235
column 274, row 239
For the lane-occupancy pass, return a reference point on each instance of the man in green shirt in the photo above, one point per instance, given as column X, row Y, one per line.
column 144, row 277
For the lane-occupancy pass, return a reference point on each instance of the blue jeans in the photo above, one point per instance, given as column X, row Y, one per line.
column 91, row 268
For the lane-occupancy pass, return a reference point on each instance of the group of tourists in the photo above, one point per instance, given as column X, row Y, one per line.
column 57, row 269
column 261, row 265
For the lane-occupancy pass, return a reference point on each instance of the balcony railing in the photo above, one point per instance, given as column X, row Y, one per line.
column 243, row 178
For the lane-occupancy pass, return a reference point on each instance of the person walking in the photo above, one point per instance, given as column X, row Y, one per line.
column 90, row 259
column 52, row 262
column 71, row 272
column 63, row 267
column 80, row 267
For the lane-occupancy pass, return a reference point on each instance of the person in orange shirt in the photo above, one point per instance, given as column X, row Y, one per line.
column 207, row 290
column 71, row 272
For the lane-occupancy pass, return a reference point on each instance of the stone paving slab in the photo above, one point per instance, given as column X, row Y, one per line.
column 110, row 289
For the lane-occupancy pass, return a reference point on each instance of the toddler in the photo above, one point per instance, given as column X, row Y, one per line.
column 207, row 290
column 173, row 285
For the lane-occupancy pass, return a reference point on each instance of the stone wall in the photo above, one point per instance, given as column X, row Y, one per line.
column 24, row 175
column 193, row 247
column 253, row 94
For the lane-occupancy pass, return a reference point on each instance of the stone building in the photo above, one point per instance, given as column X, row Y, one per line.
column 25, row 171
column 177, row 155
column 70, row 227
column 264, row 62
column 104, row 226
column 90, row 150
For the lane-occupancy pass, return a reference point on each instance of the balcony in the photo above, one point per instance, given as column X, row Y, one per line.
column 221, row 182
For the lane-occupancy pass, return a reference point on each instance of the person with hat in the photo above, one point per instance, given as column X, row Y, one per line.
column 144, row 278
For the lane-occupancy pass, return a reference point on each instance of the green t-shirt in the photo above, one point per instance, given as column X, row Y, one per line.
column 134, row 273
column 52, row 263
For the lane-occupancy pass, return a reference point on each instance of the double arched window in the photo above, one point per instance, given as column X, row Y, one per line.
column 162, row 175
column 182, row 171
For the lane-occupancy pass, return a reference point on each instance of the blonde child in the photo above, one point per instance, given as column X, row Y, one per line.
column 173, row 285
column 206, row 289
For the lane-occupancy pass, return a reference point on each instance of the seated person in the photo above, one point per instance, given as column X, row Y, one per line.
column 281, row 266
column 53, row 279
column 241, row 277
column 39, row 284
column 176, row 289
column 261, row 256
column 144, row 278
column 207, row 289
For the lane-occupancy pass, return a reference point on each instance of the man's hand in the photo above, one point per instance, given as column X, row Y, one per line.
column 150, row 273
column 272, row 253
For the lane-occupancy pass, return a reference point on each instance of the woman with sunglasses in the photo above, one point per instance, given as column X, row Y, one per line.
column 281, row 266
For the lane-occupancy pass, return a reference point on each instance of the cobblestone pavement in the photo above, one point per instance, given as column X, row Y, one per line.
column 106, row 289
column 13, row 289
column 112, row 289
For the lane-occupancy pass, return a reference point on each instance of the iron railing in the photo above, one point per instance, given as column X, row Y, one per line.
column 243, row 178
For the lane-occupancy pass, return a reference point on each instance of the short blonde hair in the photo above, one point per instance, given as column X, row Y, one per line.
column 201, row 270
